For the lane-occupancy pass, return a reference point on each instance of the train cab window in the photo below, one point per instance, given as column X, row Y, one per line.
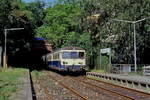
column 74, row 55
column 81, row 54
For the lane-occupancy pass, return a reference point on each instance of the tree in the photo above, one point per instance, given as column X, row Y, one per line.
column 12, row 15
column 122, row 9
column 38, row 12
column 60, row 22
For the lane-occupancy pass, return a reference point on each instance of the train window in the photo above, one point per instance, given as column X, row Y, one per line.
column 81, row 54
column 66, row 55
column 74, row 55
column 49, row 57
column 58, row 56
column 55, row 56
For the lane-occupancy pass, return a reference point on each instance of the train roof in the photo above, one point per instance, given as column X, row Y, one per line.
column 71, row 48
column 67, row 48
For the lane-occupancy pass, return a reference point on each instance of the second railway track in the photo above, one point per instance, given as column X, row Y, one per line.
column 135, row 94
column 127, row 93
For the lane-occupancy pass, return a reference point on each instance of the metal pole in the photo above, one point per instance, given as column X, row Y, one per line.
column 5, row 45
column 134, row 23
column 100, row 60
column 135, row 59
column 109, row 61
column 4, row 58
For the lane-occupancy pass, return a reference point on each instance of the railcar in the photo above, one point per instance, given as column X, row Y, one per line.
column 67, row 59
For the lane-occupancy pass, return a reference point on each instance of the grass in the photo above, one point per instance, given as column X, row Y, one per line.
column 95, row 70
column 130, row 73
column 9, row 79
column 136, row 73
column 37, row 73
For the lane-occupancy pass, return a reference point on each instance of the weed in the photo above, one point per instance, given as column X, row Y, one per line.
column 9, row 79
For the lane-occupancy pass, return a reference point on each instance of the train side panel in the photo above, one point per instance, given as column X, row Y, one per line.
column 54, row 61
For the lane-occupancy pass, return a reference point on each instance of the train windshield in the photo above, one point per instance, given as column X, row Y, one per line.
column 73, row 55
column 66, row 55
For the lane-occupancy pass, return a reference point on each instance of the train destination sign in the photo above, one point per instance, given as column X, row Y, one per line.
column 106, row 50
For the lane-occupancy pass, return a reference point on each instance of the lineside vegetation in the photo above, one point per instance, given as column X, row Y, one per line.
column 10, row 79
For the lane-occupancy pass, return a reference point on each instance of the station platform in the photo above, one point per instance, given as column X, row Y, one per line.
column 24, row 91
column 136, row 78
column 134, row 81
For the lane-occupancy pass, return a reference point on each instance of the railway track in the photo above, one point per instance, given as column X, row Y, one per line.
column 89, row 93
column 138, row 95
column 48, row 88
column 93, row 87
column 127, row 93
column 39, row 88
column 45, row 89
column 83, row 88
column 125, row 88
column 70, row 89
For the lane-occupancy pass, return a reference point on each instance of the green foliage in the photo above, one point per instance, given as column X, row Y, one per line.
column 104, row 63
column 123, row 43
column 100, row 71
column 9, row 81
column 13, row 14
column 36, row 73
column 71, row 23
column 38, row 11
column 61, row 25
column 67, row 23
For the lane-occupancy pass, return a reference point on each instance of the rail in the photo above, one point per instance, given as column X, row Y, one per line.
column 65, row 86
column 134, row 94
column 49, row 96
column 104, row 89
column 141, row 92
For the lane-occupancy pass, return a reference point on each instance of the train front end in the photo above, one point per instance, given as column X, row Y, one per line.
column 73, row 60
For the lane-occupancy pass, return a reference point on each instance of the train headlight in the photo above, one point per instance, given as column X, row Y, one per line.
column 81, row 63
column 65, row 62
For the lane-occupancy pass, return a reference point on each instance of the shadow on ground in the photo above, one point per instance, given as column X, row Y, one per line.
column 68, row 73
